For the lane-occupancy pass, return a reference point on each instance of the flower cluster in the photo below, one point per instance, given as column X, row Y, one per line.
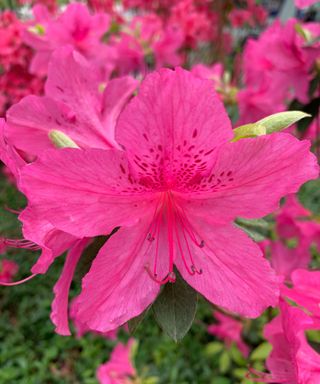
column 121, row 136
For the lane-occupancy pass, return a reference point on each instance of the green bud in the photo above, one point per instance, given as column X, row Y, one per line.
column 304, row 33
column 38, row 29
column 61, row 140
column 273, row 123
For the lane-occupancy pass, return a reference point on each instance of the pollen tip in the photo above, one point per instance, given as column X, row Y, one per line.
column 150, row 237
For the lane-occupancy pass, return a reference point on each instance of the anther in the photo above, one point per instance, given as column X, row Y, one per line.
column 150, row 237
column 201, row 245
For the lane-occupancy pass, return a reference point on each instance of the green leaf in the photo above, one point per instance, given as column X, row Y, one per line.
column 61, row 140
column 213, row 348
column 309, row 196
column 257, row 229
column 261, row 352
column 237, row 356
column 175, row 308
column 134, row 323
column 224, row 362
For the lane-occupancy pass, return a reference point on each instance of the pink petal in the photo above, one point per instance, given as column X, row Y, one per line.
column 8, row 154
column 118, row 287
column 115, row 96
column 72, row 105
column 235, row 275
column 251, row 175
column 59, row 314
column 52, row 241
column 85, row 192
column 174, row 116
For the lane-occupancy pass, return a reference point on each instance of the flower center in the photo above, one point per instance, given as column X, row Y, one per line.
column 169, row 217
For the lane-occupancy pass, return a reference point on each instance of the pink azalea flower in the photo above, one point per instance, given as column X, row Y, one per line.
column 15, row 81
column 147, row 35
column 73, row 103
column 214, row 73
column 286, row 68
column 254, row 103
column 75, row 27
column 293, row 223
column 8, row 269
column 119, row 369
column 304, row 3
column 229, row 330
column 285, row 260
column 292, row 360
column 174, row 190
column 305, row 291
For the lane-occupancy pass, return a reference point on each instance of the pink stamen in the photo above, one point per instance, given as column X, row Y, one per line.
column 157, row 244
column 186, row 225
column 171, row 277
column 19, row 243
column 15, row 211
column 175, row 217
column 18, row 282
column 182, row 254
column 201, row 245
column 171, row 224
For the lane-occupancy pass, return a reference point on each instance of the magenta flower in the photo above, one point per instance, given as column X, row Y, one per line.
column 292, row 359
column 293, row 224
column 75, row 27
column 305, row 291
column 119, row 369
column 229, row 330
column 304, row 3
column 73, row 103
column 174, row 190
column 8, row 269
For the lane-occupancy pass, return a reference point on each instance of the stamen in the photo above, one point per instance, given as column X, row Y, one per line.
column 11, row 210
column 191, row 272
column 171, row 276
column 193, row 267
column 20, row 243
column 150, row 237
column 185, row 224
column 19, row 281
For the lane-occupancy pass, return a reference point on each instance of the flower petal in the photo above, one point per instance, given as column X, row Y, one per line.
column 53, row 242
column 235, row 275
column 59, row 314
column 175, row 121
column 118, row 287
column 85, row 192
column 251, row 175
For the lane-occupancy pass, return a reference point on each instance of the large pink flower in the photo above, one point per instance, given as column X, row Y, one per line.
column 174, row 190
